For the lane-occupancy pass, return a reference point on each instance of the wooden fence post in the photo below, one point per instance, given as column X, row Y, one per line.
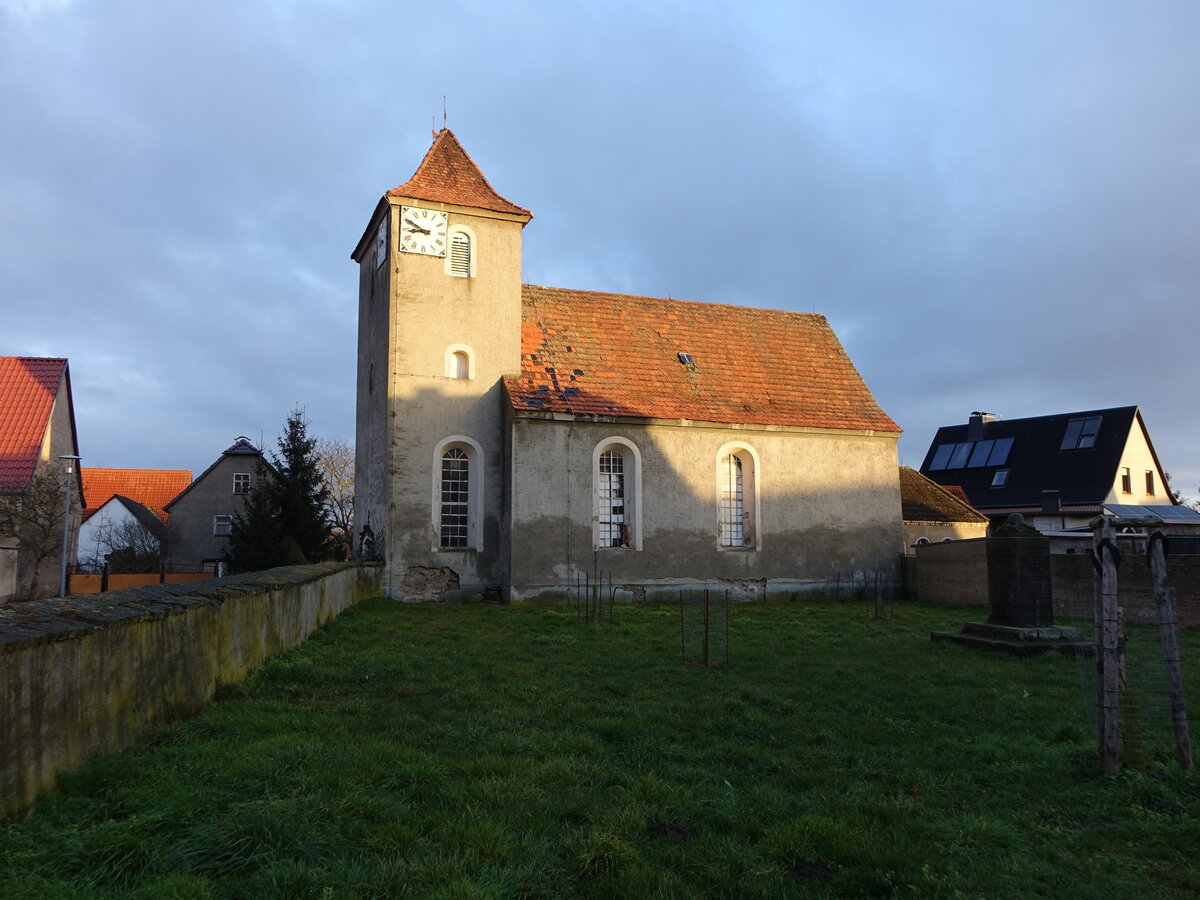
column 1156, row 554
column 1108, row 662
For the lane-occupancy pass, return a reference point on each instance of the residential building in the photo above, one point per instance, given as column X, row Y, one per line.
column 201, row 516
column 936, row 514
column 512, row 438
column 120, row 502
column 37, row 429
column 1058, row 471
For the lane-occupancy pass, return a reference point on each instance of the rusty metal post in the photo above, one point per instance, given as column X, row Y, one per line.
column 1163, row 596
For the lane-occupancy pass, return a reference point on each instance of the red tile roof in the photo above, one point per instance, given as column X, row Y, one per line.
column 448, row 175
column 153, row 488
column 28, row 387
column 924, row 500
column 617, row 355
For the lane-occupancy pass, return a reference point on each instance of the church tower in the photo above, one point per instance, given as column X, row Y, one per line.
column 439, row 327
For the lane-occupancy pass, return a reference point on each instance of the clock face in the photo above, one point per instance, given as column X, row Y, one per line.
column 422, row 231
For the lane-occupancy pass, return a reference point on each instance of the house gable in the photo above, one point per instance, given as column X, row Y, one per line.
column 152, row 488
column 29, row 389
column 1077, row 454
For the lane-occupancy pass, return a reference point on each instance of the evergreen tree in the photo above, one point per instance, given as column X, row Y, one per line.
column 285, row 521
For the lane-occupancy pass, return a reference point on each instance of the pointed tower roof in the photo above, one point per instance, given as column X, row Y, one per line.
column 448, row 175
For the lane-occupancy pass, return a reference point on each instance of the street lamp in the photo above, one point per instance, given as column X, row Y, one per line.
column 69, row 465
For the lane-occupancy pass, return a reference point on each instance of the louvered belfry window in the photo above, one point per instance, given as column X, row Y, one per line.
column 732, row 505
column 455, row 493
column 460, row 254
column 611, row 499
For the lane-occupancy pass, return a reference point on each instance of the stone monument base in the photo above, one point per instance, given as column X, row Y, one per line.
column 1018, row 641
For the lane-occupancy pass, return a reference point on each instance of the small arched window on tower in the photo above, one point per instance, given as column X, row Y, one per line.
column 460, row 361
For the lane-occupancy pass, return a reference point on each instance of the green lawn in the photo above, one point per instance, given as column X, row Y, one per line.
column 482, row 751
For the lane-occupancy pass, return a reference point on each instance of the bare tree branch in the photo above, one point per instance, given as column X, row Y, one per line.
column 336, row 460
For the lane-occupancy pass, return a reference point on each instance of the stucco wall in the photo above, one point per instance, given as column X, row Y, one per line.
column 828, row 503
column 190, row 538
column 89, row 675
column 417, row 311
column 936, row 532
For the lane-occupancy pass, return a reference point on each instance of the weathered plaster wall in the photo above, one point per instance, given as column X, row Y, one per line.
column 428, row 311
column 190, row 538
column 936, row 532
column 829, row 503
column 89, row 675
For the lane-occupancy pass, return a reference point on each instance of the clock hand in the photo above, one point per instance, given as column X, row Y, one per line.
column 416, row 227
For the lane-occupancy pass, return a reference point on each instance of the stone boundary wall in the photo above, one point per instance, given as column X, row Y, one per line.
column 92, row 674
column 957, row 573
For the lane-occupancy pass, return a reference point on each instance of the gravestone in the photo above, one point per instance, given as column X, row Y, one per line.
column 1020, row 600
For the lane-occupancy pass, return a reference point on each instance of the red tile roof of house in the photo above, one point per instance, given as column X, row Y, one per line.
column 153, row 488
column 617, row 355
column 924, row 500
column 28, row 387
column 448, row 175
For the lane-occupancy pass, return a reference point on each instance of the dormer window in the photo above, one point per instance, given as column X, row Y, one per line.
column 1081, row 434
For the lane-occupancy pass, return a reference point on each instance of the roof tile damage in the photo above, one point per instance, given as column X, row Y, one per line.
column 749, row 366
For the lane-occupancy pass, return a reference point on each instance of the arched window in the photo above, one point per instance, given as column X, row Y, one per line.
column 460, row 256
column 460, row 361
column 457, row 494
column 737, row 498
column 616, row 481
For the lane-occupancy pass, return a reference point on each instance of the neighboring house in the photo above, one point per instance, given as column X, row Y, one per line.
column 935, row 514
column 202, row 515
column 517, row 437
column 120, row 499
column 112, row 527
column 1058, row 471
column 37, row 427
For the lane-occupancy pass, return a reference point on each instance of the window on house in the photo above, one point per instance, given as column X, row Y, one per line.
column 1126, row 481
column 459, row 262
column 971, row 454
column 222, row 525
column 454, row 532
column 1081, row 433
column 1150, row 483
column 1000, row 479
column 241, row 483
column 461, row 364
column 736, row 497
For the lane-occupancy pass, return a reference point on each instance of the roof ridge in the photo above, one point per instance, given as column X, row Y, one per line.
column 741, row 308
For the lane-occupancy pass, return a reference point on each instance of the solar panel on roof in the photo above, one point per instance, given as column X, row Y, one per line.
column 1179, row 514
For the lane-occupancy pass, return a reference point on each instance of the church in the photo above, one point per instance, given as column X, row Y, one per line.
column 512, row 439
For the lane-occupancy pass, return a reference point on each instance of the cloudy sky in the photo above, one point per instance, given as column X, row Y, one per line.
column 997, row 205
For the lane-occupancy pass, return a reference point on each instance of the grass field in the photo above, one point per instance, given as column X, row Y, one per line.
column 512, row 752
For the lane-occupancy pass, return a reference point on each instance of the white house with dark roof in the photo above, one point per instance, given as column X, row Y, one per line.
column 512, row 438
column 1058, row 471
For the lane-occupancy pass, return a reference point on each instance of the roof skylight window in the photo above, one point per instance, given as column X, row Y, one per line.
column 686, row 359
column 971, row 454
column 1081, row 433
